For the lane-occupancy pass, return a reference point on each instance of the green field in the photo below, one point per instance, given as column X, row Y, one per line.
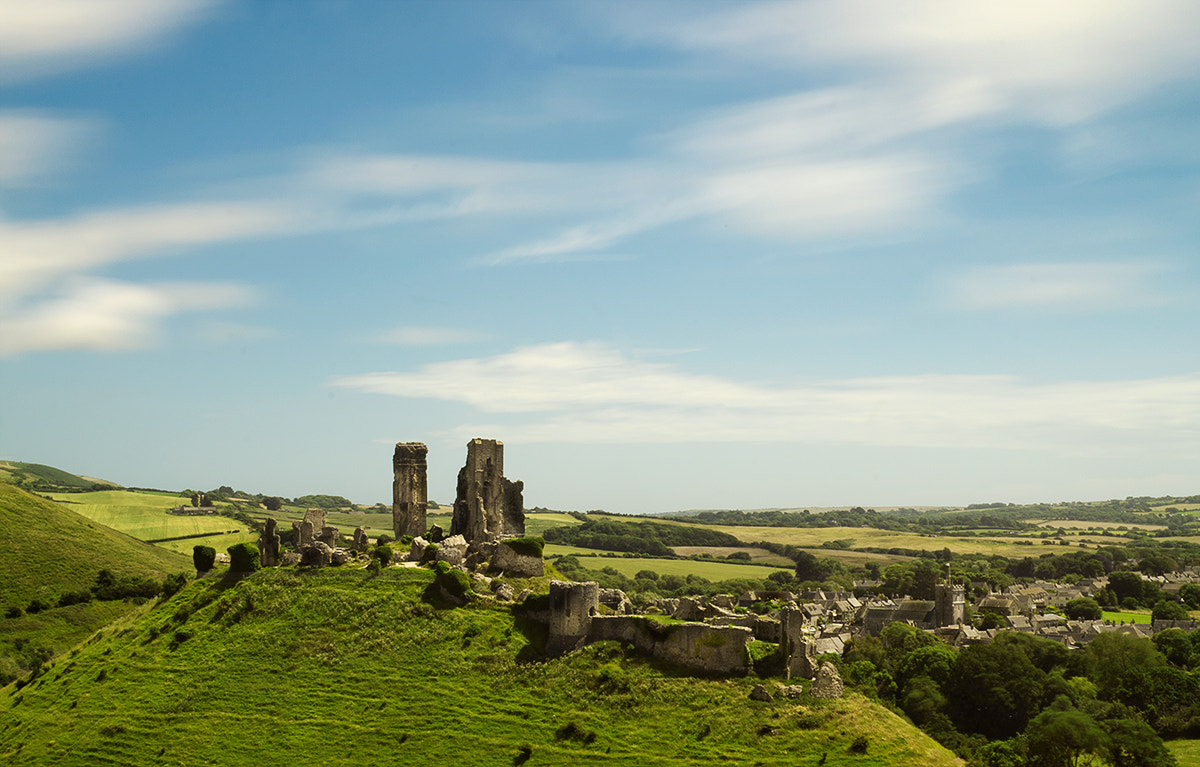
column 51, row 550
column 144, row 515
column 630, row 566
column 345, row 668
column 1187, row 752
column 1127, row 617
column 868, row 537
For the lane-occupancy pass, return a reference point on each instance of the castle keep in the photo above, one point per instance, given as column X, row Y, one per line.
column 488, row 506
column 410, row 489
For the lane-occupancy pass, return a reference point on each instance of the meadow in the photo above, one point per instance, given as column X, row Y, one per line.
column 630, row 566
column 343, row 667
column 144, row 515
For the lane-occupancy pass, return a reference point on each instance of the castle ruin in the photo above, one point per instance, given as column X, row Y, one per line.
column 488, row 506
column 410, row 489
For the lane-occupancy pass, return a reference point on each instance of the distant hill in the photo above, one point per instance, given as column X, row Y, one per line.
column 50, row 550
column 345, row 667
column 39, row 477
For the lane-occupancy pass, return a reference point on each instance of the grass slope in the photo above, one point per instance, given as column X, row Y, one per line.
column 17, row 472
column 343, row 668
column 145, row 515
column 50, row 550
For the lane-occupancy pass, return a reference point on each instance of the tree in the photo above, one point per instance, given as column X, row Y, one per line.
column 1175, row 645
column 1083, row 609
column 1067, row 738
column 272, row 503
column 1189, row 594
column 1125, row 585
column 1167, row 610
column 994, row 690
column 1135, row 744
column 203, row 557
column 244, row 558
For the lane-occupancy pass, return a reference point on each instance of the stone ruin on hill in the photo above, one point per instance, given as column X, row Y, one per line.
column 410, row 489
column 488, row 506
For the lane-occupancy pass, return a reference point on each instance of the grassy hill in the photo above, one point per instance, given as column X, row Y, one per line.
column 51, row 550
column 41, row 477
column 344, row 667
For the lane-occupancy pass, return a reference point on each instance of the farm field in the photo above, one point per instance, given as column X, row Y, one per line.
column 1127, row 617
column 863, row 537
column 143, row 515
column 1079, row 524
column 1187, row 752
column 757, row 556
column 631, row 566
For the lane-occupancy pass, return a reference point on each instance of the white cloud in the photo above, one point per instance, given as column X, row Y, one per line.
column 107, row 316
column 581, row 393
column 1058, row 62
column 38, row 253
column 1057, row 287
column 35, row 143
column 49, row 36
column 428, row 336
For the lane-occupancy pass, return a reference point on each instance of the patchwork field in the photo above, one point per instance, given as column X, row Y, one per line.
column 631, row 566
column 143, row 515
column 864, row 537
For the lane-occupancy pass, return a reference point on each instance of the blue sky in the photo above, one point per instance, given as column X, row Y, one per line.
column 674, row 255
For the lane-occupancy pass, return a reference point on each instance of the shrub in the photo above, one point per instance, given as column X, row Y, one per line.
column 36, row 606
column 383, row 554
column 860, row 744
column 14, row 612
column 454, row 582
column 383, row 539
column 526, row 547
column 172, row 584
column 244, row 558
column 203, row 557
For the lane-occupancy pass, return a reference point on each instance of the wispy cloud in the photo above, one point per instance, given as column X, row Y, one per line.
column 428, row 336
column 1058, row 287
column 34, row 143
column 39, row 252
column 48, row 36
column 103, row 315
column 576, row 393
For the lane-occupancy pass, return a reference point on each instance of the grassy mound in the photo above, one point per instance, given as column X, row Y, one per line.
column 346, row 667
column 51, row 550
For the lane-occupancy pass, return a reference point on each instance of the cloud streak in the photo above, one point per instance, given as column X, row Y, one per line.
column 102, row 315
column 49, row 36
column 583, row 393
column 1057, row 287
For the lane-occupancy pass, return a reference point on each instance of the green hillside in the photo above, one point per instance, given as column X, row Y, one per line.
column 51, row 550
column 36, row 476
column 342, row 667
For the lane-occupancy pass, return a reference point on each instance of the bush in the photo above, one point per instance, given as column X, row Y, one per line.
column 383, row 539
column 80, row 597
column 172, row 584
column 244, row 558
column 383, row 554
column 454, row 582
column 203, row 557
column 35, row 606
column 526, row 547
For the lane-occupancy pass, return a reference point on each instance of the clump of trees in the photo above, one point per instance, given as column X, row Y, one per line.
column 1027, row 700
column 651, row 538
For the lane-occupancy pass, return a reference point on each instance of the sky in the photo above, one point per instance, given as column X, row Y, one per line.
column 674, row 255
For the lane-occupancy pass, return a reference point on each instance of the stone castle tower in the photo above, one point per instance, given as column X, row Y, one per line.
column 410, row 489
column 950, row 600
column 488, row 506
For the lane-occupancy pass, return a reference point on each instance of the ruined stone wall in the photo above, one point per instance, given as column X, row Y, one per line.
column 694, row 646
column 410, row 489
column 487, row 505
column 572, row 607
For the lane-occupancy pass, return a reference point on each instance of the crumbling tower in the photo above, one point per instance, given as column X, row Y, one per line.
column 488, row 506
column 410, row 489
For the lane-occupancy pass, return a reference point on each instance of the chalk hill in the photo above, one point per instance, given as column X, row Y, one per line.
column 342, row 667
column 50, row 550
